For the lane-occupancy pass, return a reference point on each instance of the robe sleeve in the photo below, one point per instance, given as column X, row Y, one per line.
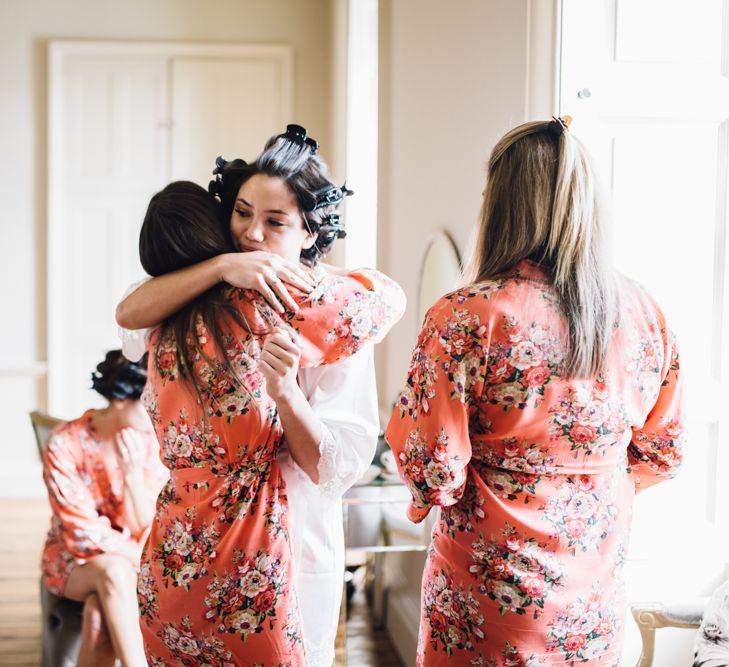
column 86, row 533
column 655, row 452
column 429, row 428
column 344, row 313
column 344, row 399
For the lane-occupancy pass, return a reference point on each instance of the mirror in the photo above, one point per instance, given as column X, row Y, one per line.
column 440, row 271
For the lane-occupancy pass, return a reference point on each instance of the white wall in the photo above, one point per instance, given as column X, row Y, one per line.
column 25, row 28
column 453, row 78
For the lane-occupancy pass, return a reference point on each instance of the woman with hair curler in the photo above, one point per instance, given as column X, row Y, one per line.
column 280, row 207
column 103, row 474
column 540, row 398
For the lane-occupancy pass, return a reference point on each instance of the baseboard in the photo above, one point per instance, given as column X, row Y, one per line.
column 402, row 622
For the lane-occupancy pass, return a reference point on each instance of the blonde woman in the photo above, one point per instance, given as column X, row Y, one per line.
column 540, row 398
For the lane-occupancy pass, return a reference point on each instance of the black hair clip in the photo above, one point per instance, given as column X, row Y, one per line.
column 222, row 166
column 330, row 195
column 559, row 124
column 332, row 224
column 297, row 135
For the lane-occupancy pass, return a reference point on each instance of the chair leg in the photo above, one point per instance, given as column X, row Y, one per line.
column 648, row 637
column 648, row 620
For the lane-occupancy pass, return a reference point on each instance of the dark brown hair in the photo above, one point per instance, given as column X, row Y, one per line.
column 118, row 378
column 183, row 227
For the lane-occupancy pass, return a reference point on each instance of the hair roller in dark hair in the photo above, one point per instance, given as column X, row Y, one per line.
column 216, row 187
column 118, row 378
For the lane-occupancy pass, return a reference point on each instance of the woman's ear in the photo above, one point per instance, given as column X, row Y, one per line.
column 309, row 240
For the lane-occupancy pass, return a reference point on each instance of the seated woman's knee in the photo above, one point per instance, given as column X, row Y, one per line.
column 117, row 575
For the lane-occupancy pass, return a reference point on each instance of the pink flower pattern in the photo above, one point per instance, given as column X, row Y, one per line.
column 533, row 473
column 216, row 571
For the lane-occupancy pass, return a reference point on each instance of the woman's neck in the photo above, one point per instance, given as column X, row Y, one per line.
column 120, row 414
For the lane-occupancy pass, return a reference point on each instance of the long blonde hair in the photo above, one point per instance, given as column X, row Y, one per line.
column 542, row 202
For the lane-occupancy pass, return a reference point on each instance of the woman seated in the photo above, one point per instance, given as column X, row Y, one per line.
column 711, row 647
column 103, row 474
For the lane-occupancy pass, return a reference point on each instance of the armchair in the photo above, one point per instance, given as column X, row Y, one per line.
column 61, row 618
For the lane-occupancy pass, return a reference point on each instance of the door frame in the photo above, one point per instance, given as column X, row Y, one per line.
column 57, row 319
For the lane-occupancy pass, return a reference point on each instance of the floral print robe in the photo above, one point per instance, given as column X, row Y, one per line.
column 215, row 586
column 533, row 474
column 86, row 493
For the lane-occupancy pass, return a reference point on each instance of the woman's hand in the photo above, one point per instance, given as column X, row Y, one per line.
column 266, row 273
column 279, row 364
column 139, row 500
column 130, row 451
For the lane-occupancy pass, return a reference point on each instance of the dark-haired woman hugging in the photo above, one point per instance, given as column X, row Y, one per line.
column 103, row 475
column 219, row 582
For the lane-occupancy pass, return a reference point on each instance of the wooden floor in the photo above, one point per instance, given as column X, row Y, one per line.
column 23, row 523
column 365, row 646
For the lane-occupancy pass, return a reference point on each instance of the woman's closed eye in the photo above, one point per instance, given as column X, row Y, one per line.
column 243, row 213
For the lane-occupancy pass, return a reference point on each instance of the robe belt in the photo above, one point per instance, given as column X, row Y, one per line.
column 203, row 473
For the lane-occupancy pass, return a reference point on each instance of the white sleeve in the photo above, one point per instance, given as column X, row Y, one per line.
column 133, row 341
column 343, row 396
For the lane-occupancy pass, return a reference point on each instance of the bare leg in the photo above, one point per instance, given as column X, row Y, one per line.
column 96, row 648
column 114, row 580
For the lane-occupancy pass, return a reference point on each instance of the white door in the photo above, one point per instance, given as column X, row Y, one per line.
column 226, row 107
column 108, row 151
column 646, row 82
column 124, row 120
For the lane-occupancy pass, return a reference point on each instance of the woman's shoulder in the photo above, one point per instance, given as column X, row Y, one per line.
column 494, row 294
column 67, row 435
column 637, row 302
column 254, row 313
column 82, row 423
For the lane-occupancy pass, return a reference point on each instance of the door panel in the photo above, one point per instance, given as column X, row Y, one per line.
column 109, row 148
column 645, row 81
column 124, row 120
column 225, row 107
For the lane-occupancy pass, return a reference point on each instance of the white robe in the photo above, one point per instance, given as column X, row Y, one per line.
column 344, row 398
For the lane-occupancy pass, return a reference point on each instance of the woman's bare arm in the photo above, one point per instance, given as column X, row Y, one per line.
column 157, row 299
column 279, row 364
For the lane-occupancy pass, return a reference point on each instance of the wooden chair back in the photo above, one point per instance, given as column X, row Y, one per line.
column 43, row 424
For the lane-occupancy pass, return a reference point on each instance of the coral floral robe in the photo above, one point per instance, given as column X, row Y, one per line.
column 86, row 493
column 534, row 474
column 215, row 586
